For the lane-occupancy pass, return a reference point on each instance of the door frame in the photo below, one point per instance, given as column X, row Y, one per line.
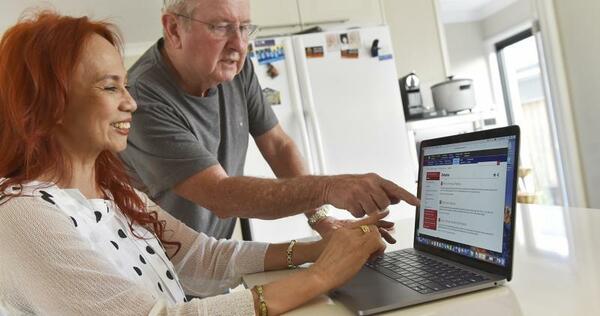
column 562, row 109
column 549, row 44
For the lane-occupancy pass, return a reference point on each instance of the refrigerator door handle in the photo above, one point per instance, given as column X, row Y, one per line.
column 297, row 103
column 308, row 101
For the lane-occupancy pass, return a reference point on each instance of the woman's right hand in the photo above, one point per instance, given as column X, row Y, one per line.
column 347, row 250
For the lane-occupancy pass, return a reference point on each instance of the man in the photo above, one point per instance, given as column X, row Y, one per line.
column 198, row 99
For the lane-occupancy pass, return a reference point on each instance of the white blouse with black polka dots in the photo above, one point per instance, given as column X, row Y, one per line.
column 57, row 246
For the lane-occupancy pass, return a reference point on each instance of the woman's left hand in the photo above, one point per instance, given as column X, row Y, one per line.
column 329, row 224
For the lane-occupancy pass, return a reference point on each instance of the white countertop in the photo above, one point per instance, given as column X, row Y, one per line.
column 556, row 270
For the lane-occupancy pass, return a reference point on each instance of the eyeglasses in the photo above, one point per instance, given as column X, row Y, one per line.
column 225, row 31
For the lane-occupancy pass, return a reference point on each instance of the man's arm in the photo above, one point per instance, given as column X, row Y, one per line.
column 275, row 198
column 282, row 154
column 250, row 197
column 284, row 158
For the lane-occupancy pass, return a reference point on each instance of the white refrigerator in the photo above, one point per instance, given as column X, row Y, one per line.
column 338, row 98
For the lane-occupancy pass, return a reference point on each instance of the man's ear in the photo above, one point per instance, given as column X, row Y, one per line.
column 172, row 30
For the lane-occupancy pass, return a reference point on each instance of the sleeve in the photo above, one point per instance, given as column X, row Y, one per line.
column 205, row 265
column 161, row 149
column 58, row 273
column 261, row 116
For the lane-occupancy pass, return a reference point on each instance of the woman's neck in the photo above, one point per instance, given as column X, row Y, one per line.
column 83, row 178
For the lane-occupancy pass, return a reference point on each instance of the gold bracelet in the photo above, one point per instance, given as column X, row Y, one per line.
column 262, row 305
column 290, row 252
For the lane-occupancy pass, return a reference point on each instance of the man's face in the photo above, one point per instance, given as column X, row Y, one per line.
column 215, row 59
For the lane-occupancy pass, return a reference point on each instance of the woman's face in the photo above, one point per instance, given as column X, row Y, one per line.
column 99, row 107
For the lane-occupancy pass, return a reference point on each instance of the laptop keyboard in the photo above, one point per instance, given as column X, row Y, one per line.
column 421, row 273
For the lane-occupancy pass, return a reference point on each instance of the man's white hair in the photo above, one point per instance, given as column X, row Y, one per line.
column 184, row 7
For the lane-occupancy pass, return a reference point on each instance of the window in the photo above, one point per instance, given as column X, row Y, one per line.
column 526, row 105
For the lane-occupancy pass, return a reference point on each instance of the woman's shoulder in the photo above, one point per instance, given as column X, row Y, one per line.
column 25, row 217
column 30, row 192
column 28, row 201
column 148, row 203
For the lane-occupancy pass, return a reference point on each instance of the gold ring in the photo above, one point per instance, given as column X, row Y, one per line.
column 365, row 228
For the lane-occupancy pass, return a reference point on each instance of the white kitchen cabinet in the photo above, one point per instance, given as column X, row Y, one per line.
column 285, row 16
column 275, row 16
column 356, row 12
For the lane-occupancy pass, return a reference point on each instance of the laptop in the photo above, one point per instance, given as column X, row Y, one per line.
column 464, row 227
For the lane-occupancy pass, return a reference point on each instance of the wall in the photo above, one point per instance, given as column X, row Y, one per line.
column 507, row 18
column 467, row 56
column 414, row 31
column 139, row 20
column 579, row 28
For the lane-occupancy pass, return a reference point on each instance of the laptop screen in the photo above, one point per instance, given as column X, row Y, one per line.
column 466, row 192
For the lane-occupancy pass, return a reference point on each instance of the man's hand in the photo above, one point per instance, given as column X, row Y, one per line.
column 328, row 225
column 364, row 194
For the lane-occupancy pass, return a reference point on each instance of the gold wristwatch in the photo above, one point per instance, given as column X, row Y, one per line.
column 319, row 215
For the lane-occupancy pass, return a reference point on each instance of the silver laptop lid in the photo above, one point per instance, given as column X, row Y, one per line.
column 467, row 186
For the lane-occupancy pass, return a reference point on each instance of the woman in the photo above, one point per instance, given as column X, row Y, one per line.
column 77, row 239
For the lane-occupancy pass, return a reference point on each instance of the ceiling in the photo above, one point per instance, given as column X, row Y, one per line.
column 457, row 11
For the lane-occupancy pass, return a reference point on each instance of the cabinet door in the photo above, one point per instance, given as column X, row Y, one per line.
column 357, row 12
column 275, row 16
column 282, row 16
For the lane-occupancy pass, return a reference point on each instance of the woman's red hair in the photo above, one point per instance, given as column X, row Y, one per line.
column 37, row 59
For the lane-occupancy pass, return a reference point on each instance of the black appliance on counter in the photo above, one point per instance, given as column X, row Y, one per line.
column 411, row 95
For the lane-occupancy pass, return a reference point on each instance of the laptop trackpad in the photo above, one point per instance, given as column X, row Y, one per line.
column 370, row 289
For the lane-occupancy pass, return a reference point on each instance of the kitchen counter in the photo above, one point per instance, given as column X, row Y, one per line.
column 556, row 270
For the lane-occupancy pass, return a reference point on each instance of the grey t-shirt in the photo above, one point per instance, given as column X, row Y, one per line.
column 175, row 135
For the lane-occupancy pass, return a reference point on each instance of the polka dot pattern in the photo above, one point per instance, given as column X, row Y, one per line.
column 98, row 216
column 150, row 250
column 115, row 244
column 47, row 197
column 107, row 229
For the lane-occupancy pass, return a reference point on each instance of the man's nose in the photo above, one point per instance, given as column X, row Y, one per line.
column 237, row 40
